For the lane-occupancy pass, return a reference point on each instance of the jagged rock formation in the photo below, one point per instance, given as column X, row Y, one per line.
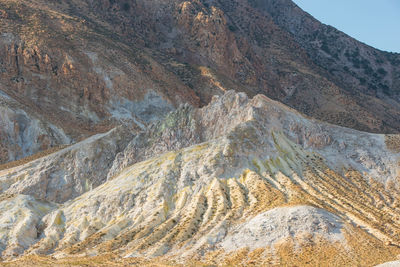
column 85, row 66
column 240, row 181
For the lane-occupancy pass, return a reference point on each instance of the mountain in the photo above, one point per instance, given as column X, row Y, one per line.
column 194, row 133
column 71, row 69
column 238, row 182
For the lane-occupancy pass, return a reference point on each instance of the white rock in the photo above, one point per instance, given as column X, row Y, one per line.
column 268, row 228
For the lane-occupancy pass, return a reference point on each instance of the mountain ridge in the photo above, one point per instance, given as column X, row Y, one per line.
column 88, row 66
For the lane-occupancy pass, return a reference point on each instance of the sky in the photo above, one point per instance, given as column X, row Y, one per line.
column 374, row 22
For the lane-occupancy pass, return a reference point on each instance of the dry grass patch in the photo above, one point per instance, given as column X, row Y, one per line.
column 392, row 142
column 106, row 260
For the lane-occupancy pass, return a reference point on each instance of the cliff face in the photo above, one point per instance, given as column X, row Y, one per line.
column 239, row 181
column 85, row 66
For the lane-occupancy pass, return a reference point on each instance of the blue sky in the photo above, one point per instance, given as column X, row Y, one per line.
column 374, row 22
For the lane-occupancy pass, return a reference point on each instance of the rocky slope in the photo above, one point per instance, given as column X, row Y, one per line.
column 345, row 58
column 238, row 182
column 87, row 66
column 76, row 78
column 23, row 133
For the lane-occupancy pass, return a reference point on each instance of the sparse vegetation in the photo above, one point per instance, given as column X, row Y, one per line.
column 126, row 7
column 325, row 48
column 382, row 71
column 232, row 28
column 393, row 142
